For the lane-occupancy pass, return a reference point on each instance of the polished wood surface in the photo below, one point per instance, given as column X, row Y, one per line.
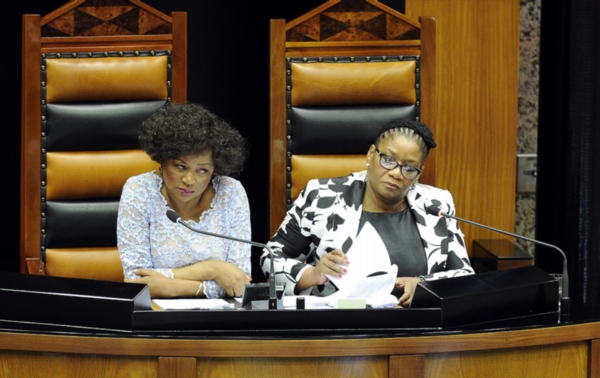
column 560, row 351
column 476, row 108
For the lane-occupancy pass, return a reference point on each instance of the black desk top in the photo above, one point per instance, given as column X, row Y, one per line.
column 579, row 314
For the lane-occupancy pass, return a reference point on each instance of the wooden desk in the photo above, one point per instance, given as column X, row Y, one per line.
column 571, row 350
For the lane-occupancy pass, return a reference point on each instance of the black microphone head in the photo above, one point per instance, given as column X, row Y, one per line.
column 433, row 210
column 173, row 216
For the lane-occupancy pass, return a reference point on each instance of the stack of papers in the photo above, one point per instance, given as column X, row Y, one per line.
column 370, row 276
column 193, row 304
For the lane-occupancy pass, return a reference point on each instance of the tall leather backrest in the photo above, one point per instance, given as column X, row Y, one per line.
column 92, row 72
column 338, row 73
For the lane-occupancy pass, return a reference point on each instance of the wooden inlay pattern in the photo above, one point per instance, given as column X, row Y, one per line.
column 105, row 18
column 353, row 20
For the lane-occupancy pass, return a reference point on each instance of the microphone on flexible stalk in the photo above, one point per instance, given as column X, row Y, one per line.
column 175, row 218
column 565, row 300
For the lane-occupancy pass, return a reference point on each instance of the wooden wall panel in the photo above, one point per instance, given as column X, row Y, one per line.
column 476, row 109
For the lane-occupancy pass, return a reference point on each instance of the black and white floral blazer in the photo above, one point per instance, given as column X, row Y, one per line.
column 326, row 216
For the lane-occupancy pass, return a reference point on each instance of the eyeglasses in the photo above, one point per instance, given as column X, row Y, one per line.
column 389, row 163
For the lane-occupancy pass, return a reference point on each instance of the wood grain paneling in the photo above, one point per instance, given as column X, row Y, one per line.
column 476, row 108
column 34, row 365
column 371, row 367
column 560, row 361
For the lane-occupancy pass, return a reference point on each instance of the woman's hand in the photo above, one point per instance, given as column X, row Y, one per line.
column 333, row 263
column 408, row 284
column 164, row 287
column 230, row 277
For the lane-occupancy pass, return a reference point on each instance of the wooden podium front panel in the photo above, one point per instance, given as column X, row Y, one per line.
column 557, row 360
column 24, row 364
column 367, row 366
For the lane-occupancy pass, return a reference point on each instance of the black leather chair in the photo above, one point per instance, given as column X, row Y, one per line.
column 91, row 75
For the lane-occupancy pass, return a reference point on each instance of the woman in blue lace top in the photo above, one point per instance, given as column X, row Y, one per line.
column 198, row 153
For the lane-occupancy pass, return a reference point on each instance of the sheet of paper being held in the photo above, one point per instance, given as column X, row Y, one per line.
column 367, row 255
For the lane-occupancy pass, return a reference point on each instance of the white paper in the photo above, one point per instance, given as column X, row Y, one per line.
column 367, row 255
column 193, row 304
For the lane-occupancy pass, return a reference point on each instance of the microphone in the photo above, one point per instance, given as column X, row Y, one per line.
column 175, row 218
column 565, row 300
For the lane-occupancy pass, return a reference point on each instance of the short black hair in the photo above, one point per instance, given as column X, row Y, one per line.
column 418, row 131
column 189, row 129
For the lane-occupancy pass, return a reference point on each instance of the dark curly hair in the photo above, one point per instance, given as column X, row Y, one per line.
column 415, row 130
column 189, row 129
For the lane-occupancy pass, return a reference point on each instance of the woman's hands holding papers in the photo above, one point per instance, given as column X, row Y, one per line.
column 408, row 284
column 334, row 263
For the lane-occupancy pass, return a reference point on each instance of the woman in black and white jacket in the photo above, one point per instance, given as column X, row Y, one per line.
column 326, row 218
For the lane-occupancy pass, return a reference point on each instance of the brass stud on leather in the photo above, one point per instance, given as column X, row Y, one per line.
column 289, row 186
column 43, row 150
column 43, row 67
column 320, row 59
column 43, row 231
column 418, row 103
column 58, row 55
column 169, row 99
column 289, row 169
column 43, row 55
column 43, row 215
column 417, row 86
column 106, row 53
column 168, row 83
column 43, row 248
column 289, row 106
column 288, row 87
column 288, row 59
column 43, row 118
column 418, row 57
column 418, row 118
column 43, row 135
column 289, row 202
column 43, row 183
column 288, row 72
column 43, row 83
column 169, row 52
column 417, row 70
column 43, row 166
column 383, row 58
column 368, row 58
column 137, row 53
column 289, row 154
column 305, row 60
column 352, row 59
column 74, row 55
column 43, row 199
column 121, row 53
column 90, row 54
column 289, row 137
column 169, row 66
column 43, row 102
column 335, row 59
column 288, row 122
column 152, row 52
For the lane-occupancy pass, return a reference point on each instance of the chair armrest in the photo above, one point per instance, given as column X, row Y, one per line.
column 35, row 266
